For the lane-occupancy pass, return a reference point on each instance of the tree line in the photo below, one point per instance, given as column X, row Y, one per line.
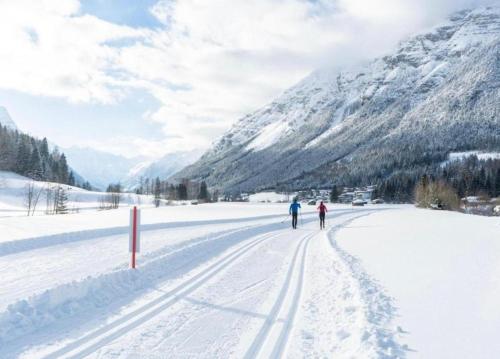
column 468, row 177
column 185, row 190
column 30, row 157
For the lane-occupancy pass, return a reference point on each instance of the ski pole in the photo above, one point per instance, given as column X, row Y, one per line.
column 301, row 222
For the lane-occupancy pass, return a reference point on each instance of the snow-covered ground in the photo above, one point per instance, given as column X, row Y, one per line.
column 234, row 280
column 443, row 271
column 272, row 197
column 13, row 189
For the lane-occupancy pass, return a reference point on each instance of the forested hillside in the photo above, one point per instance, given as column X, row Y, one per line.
column 31, row 157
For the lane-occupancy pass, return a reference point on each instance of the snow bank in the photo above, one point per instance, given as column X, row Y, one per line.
column 84, row 297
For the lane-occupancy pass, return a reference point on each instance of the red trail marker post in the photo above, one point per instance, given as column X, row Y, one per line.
column 134, row 245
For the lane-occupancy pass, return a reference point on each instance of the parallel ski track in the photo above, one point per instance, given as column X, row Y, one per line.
column 91, row 342
column 99, row 338
column 263, row 335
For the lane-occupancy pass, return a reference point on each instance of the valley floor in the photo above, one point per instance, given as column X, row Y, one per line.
column 234, row 280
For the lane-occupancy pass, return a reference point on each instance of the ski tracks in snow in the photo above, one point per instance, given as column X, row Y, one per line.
column 345, row 313
column 96, row 340
column 272, row 339
column 321, row 303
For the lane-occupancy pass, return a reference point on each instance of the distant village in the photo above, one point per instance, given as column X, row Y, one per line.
column 354, row 195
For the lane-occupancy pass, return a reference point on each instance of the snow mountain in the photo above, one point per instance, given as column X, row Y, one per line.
column 102, row 168
column 436, row 93
column 99, row 167
column 6, row 120
column 164, row 168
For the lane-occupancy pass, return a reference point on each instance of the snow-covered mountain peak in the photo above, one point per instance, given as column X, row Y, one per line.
column 422, row 61
column 6, row 120
column 440, row 84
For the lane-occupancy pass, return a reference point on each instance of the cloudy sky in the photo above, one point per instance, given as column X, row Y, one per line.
column 147, row 77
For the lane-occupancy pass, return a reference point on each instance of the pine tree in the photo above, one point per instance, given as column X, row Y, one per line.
column 23, row 158
column 334, row 194
column 61, row 200
column 35, row 165
column 63, row 170
column 203, row 195
column 182, row 192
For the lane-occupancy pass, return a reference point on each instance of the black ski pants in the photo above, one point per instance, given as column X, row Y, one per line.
column 321, row 220
column 294, row 220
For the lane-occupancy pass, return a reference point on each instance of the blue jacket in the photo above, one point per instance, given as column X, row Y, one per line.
column 294, row 207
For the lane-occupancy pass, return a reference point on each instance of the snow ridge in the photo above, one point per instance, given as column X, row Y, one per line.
column 378, row 311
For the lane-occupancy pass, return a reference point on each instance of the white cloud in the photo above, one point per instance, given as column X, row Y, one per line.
column 212, row 62
column 48, row 50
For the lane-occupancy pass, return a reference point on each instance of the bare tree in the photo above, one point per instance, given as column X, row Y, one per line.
column 115, row 195
column 31, row 197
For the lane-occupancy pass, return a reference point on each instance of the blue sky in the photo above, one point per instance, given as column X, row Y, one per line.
column 84, row 124
column 134, row 13
column 149, row 77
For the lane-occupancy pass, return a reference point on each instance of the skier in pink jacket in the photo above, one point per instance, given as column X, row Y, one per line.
column 322, row 213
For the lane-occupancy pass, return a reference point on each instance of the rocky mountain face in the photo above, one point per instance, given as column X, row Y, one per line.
column 438, row 92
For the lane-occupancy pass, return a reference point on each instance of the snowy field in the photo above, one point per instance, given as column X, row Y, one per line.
column 234, row 280
column 13, row 189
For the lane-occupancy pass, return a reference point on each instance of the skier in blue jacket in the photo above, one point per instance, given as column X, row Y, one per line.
column 294, row 211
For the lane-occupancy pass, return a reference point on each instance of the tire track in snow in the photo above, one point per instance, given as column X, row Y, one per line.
column 99, row 338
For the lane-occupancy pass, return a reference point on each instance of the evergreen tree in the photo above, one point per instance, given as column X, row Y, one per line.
column 23, row 158
column 334, row 194
column 35, row 165
column 203, row 195
column 61, row 201
column 182, row 192
column 44, row 149
column 63, row 170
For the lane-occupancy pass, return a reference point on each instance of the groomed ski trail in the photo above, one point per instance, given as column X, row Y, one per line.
column 260, row 298
column 95, row 340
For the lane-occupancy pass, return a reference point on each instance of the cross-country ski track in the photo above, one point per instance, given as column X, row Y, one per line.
column 253, row 289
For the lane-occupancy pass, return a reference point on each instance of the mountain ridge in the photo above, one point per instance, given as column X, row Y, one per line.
column 445, row 80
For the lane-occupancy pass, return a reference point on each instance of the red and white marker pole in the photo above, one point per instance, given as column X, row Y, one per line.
column 134, row 237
